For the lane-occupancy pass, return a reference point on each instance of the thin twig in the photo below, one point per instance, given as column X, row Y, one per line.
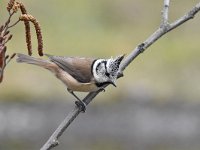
column 13, row 24
column 165, row 13
column 53, row 140
column 7, row 39
column 157, row 34
column 190, row 15
column 10, row 58
column 8, row 21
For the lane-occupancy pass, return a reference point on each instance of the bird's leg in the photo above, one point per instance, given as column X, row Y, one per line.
column 102, row 89
column 79, row 103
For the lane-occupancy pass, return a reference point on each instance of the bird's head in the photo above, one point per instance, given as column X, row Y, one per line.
column 106, row 70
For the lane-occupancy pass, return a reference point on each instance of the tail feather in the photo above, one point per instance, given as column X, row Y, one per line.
column 21, row 58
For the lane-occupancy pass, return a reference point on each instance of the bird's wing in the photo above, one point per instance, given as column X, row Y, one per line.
column 79, row 68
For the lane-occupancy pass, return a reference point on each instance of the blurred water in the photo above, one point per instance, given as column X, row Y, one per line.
column 128, row 124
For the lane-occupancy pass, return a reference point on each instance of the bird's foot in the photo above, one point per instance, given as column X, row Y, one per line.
column 81, row 105
column 102, row 90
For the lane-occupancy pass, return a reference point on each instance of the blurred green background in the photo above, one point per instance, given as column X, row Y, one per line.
column 167, row 71
column 108, row 28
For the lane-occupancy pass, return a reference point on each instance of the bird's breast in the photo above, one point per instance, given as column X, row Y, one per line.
column 74, row 85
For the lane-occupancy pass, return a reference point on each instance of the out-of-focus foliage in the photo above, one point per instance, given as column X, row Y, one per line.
column 169, row 68
column 158, row 98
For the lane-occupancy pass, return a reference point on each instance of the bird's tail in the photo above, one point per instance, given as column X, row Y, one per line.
column 21, row 58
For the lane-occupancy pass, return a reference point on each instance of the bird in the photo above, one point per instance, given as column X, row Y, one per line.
column 79, row 74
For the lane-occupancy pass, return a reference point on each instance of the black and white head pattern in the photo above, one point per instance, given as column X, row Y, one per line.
column 106, row 70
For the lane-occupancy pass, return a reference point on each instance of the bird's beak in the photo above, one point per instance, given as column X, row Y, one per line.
column 113, row 83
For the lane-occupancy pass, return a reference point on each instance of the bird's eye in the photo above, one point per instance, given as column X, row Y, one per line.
column 107, row 74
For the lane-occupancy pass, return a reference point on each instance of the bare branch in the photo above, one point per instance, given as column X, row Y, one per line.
column 14, row 24
column 165, row 13
column 2, row 61
column 164, row 28
column 190, row 15
column 10, row 58
column 53, row 140
column 157, row 34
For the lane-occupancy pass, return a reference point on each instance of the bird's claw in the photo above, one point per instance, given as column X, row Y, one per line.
column 81, row 105
column 102, row 90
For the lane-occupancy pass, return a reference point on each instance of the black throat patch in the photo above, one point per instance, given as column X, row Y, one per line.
column 101, row 84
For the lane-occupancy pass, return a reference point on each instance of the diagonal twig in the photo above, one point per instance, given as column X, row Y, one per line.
column 165, row 13
column 164, row 28
column 157, row 34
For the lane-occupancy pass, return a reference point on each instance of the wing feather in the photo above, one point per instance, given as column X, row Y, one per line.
column 79, row 68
